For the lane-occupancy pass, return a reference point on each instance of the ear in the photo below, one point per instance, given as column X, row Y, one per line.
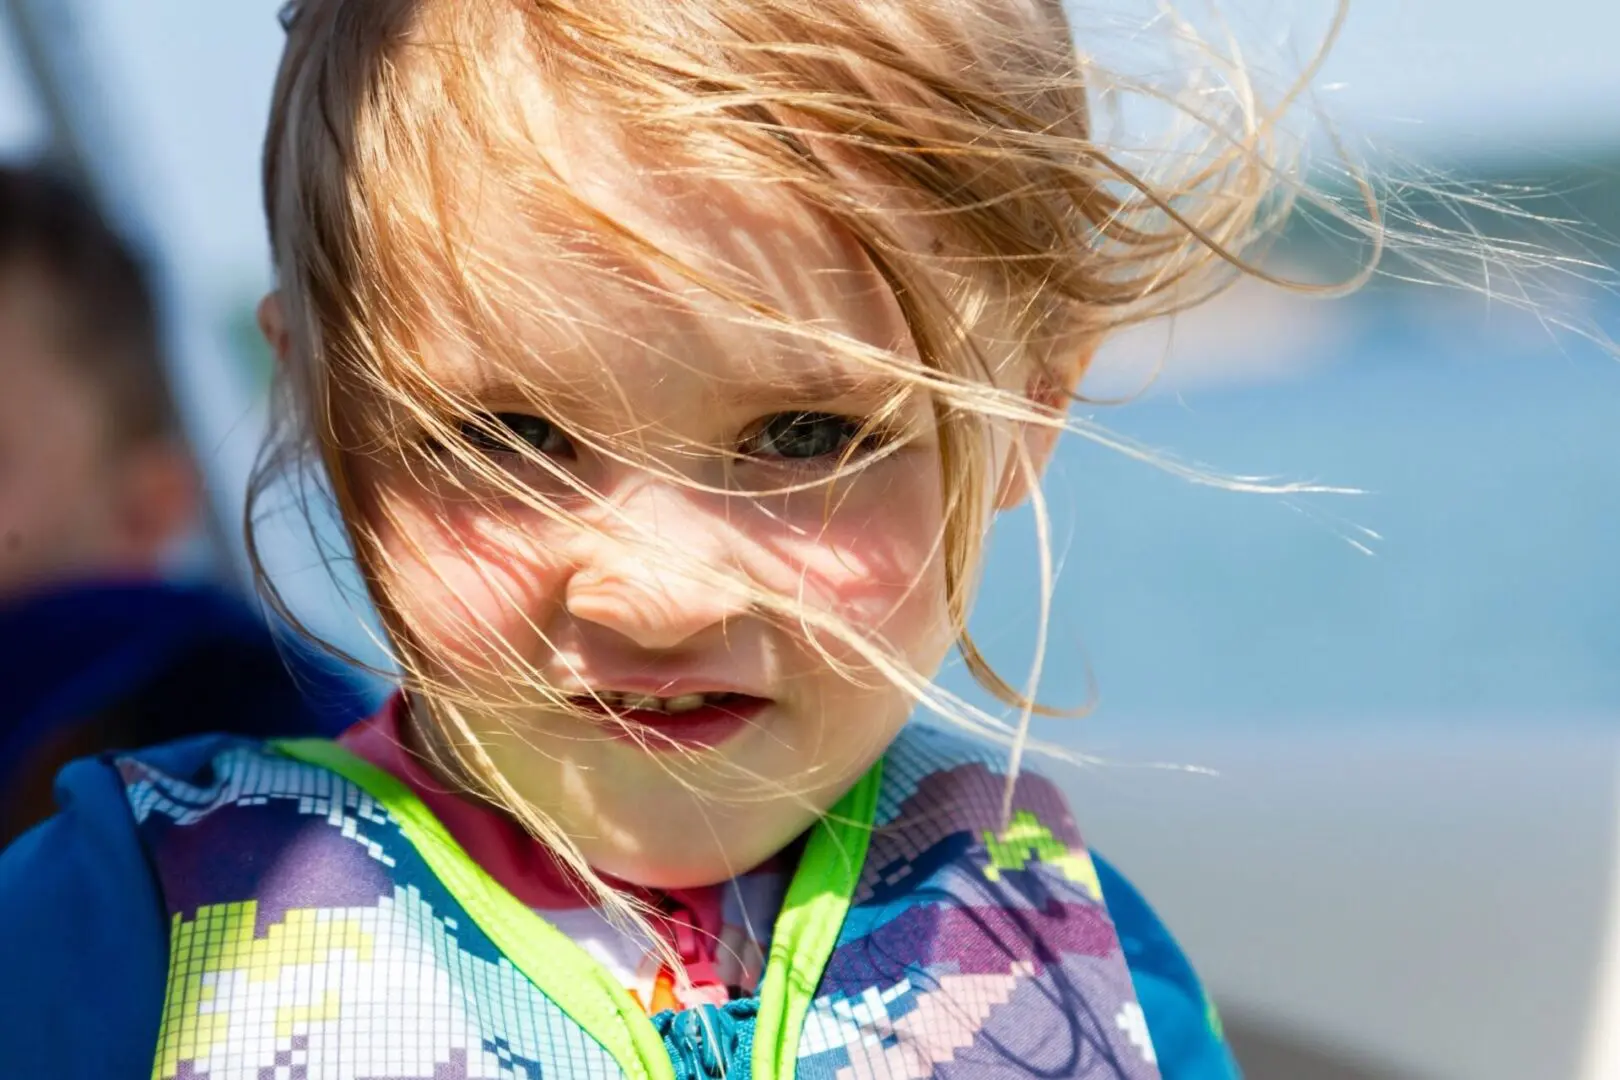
column 161, row 497
column 1027, row 462
column 273, row 325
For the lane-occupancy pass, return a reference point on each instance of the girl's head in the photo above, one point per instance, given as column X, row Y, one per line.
column 669, row 359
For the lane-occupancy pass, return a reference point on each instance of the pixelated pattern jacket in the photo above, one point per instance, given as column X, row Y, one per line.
column 324, row 926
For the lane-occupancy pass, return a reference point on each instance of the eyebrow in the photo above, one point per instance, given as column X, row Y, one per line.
column 784, row 388
column 814, row 387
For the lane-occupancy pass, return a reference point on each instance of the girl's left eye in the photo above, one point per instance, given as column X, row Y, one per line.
column 506, row 432
column 801, row 436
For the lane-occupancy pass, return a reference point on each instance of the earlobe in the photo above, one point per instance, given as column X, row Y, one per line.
column 1023, row 471
column 1026, row 464
column 273, row 325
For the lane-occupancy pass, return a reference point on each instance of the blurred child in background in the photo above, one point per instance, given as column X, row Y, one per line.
column 97, row 491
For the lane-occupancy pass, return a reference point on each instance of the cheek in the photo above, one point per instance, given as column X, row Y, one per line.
column 873, row 558
column 473, row 585
column 470, row 585
column 58, row 507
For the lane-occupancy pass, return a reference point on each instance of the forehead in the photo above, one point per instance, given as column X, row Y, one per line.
column 34, row 350
column 45, row 396
column 634, row 265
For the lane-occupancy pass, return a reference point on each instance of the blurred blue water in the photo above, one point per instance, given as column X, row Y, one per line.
column 1491, row 458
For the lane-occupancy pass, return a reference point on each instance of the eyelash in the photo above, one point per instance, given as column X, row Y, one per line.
column 854, row 432
column 502, row 433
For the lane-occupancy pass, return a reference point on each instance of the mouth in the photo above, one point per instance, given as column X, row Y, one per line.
column 684, row 721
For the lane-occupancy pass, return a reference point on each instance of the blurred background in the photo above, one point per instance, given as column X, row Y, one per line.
column 1360, row 749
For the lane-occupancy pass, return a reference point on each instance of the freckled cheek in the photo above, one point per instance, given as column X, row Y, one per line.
column 464, row 579
column 876, row 562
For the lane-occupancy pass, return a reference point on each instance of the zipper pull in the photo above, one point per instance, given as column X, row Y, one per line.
column 709, row 1042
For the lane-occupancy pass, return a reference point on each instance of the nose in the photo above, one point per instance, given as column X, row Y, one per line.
column 630, row 578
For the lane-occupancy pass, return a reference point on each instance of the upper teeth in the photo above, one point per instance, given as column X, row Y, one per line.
column 679, row 704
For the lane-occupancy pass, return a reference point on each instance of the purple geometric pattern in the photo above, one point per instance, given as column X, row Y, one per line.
column 949, row 968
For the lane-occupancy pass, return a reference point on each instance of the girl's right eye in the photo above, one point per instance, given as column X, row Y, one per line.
column 505, row 433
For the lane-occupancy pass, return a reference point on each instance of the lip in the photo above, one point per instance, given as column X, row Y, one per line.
column 700, row 729
column 653, row 686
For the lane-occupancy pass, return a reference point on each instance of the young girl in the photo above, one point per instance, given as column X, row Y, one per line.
column 668, row 361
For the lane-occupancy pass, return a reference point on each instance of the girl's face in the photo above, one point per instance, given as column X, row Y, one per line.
column 738, row 729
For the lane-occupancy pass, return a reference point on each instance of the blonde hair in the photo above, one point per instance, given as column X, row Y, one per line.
column 966, row 122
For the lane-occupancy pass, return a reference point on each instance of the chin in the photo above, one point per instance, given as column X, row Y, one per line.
column 638, row 870
column 674, row 861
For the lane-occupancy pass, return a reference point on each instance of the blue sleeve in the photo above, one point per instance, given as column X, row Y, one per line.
column 83, row 938
column 1185, row 1029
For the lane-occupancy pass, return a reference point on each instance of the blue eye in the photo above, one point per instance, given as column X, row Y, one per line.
column 505, row 433
column 802, row 436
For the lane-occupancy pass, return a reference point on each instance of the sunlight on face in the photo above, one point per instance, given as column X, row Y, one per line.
column 720, row 414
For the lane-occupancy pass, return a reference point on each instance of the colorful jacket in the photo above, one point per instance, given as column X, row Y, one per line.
column 322, row 924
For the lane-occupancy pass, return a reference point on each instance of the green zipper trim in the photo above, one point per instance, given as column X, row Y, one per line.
column 812, row 915
column 801, row 944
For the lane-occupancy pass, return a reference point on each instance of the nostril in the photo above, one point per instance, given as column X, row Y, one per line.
column 655, row 614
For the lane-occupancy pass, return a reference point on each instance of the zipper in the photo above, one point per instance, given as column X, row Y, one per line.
column 710, row 1042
